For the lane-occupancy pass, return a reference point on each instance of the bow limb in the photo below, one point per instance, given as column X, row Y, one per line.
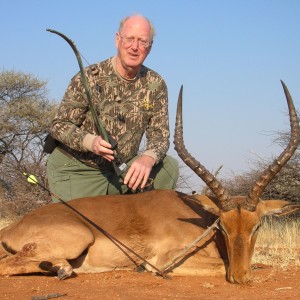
column 99, row 127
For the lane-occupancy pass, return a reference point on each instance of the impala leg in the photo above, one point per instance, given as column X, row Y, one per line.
column 14, row 265
column 191, row 263
column 25, row 262
column 61, row 267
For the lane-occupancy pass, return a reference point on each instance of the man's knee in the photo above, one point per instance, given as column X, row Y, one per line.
column 167, row 174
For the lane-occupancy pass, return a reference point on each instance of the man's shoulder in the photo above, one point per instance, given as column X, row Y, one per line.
column 100, row 67
column 145, row 71
column 152, row 78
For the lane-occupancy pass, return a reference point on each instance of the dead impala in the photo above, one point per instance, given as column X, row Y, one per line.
column 149, row 229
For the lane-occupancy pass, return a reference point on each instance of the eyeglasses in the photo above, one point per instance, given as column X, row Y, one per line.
column 128, row 41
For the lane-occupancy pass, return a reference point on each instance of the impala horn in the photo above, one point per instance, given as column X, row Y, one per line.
column 266, row 177
column 210, row 180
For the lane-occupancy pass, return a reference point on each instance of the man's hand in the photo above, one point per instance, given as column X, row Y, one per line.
column 139, row 172
column 102, row 148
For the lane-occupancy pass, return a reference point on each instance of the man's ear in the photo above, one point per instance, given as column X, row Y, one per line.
column 149, row 48
column 117, row 39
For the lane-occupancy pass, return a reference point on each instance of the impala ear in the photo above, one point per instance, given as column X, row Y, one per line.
column 208, row 204
column 277, row 208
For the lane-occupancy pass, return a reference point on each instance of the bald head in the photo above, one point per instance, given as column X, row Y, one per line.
column 137, row 20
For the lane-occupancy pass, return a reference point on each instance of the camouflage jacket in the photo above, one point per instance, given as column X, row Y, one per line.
column 127, row 109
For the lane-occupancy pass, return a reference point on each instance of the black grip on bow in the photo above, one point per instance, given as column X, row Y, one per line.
column 119, row 164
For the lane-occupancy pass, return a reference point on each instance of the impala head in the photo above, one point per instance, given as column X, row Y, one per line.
column 240, row 216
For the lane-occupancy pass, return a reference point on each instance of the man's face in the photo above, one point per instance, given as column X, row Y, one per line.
column 133, row 43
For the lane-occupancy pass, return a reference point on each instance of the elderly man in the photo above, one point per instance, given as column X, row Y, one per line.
column 131, row 101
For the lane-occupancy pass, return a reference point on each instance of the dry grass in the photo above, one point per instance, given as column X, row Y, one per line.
column 7, row 213
column 4, row 222
column 278, row 243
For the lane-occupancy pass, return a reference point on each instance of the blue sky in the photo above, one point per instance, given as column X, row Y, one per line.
column 229, row 56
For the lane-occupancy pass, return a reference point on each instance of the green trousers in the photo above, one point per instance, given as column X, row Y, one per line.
column 68, row 178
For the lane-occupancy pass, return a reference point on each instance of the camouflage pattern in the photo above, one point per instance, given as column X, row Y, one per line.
column 127, row 108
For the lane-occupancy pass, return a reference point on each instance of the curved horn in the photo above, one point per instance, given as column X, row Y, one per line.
column 282, row 159
column 191, row 162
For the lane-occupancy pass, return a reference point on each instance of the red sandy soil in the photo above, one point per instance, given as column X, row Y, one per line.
column 268, row 283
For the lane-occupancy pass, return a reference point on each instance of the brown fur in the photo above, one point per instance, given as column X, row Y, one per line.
column 156, row 225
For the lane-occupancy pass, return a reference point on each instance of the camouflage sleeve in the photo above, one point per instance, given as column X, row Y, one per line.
column 72, row 112
column 158, row 132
